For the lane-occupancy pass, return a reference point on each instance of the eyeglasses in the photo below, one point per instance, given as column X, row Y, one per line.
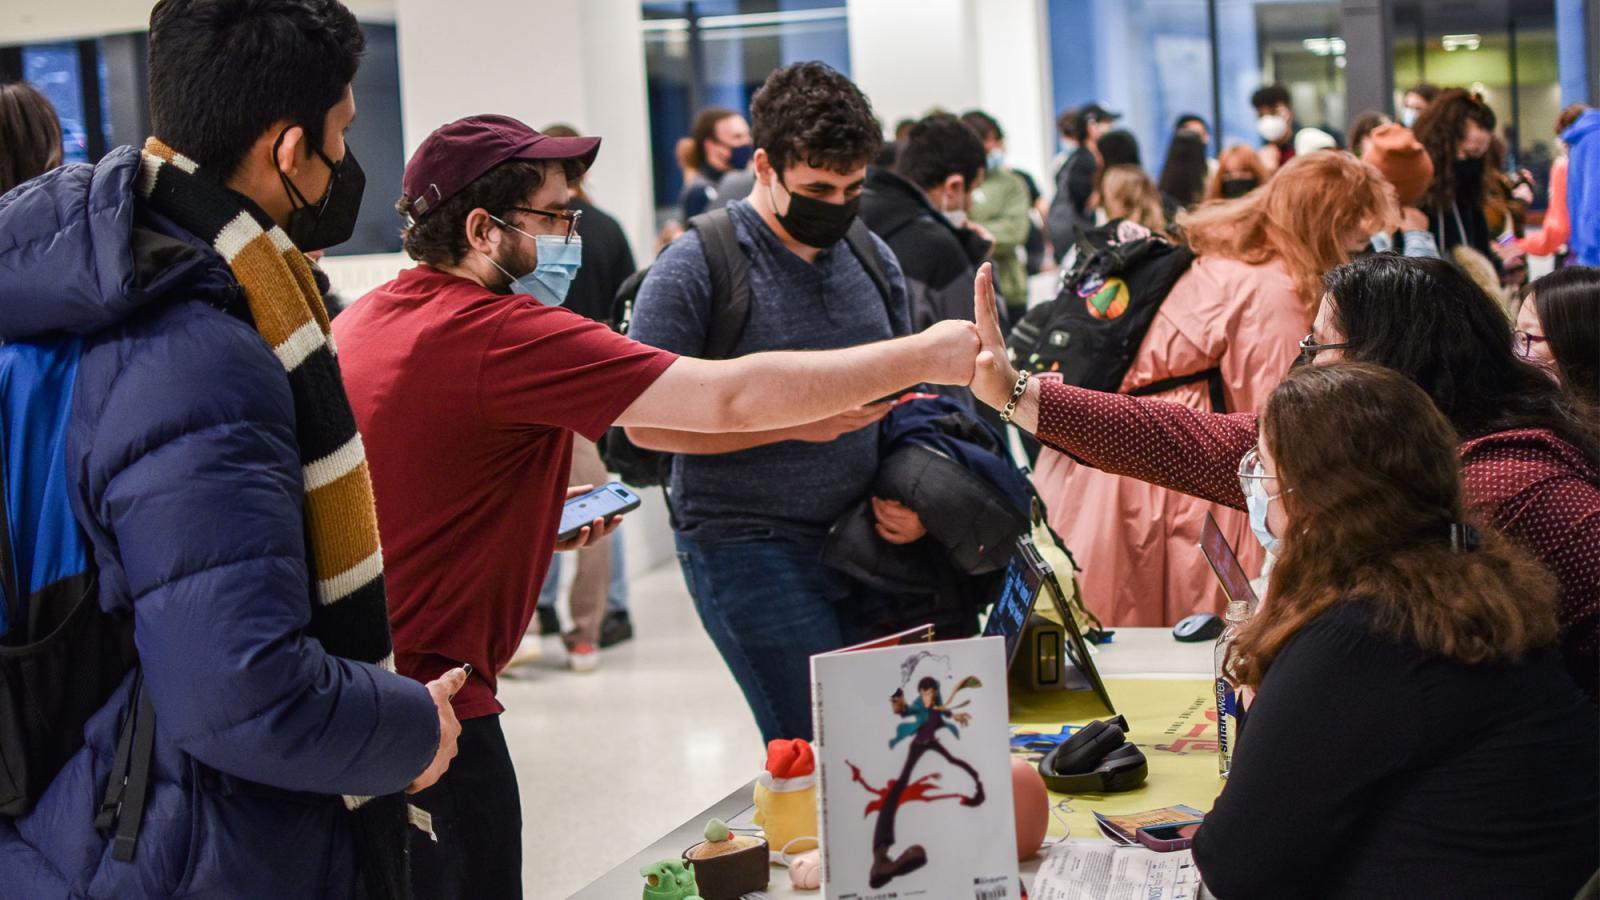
column 1309, row 348
column 570, row 216
column 1523, row 341
column 1253, row 476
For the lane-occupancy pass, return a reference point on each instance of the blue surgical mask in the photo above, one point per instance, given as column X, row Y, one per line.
column 1258, row 504
column 558, row 263
column 995, row 159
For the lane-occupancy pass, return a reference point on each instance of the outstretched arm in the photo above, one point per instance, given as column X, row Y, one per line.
column 1166, row 444
column 765, row 391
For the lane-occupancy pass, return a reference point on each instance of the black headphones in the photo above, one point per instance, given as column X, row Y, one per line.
column 1096, row 760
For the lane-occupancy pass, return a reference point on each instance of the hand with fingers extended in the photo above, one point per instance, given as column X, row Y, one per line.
column 896, row 522
column 441, row 689
column 590, row 534
column 995, row 377
column 851, row 420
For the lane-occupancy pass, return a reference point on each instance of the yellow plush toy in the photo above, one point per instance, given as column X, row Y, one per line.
column 786, row 799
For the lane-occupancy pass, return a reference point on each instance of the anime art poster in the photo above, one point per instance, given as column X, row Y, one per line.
column 915, row 770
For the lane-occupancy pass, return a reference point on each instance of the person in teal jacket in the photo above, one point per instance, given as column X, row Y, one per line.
column 1000, row 207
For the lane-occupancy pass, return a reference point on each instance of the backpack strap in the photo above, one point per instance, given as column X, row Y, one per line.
column 730, row 281
column 16, row 603
column 1213, row 375
column 129, row 784
column 859, row 237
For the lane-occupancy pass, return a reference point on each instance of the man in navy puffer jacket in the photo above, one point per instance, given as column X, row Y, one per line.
column 187, row 480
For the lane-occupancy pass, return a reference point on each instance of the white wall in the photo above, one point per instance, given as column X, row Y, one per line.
column 910, row 56
column 575, row 61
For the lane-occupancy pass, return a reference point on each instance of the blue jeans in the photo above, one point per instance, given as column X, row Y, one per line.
column 768, row 604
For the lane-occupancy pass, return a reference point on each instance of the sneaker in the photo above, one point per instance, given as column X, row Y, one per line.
column 583, row 657
column 616, row 628
column 549, row 622
column 528, row 650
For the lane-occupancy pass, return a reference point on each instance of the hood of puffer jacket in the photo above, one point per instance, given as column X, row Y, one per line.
column 79, row 252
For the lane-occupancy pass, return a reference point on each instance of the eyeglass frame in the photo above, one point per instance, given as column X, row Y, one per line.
column 1248, row 480
column 570, row 216
column 1309, row 348
column 1523, row 341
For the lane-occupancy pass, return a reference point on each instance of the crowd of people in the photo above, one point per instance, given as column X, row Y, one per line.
column 324, row 540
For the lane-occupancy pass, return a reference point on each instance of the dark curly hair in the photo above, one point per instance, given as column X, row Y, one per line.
column 809, row 113
column 440, row 237
column 1439, row 130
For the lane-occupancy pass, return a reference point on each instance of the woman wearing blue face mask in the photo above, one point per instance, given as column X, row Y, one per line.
column 1530, row 453
column 1392, row 750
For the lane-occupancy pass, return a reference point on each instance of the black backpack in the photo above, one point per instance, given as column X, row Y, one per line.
column 1110, row 293
column 730, row 310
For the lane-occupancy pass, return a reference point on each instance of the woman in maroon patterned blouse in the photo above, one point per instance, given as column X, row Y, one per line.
column 1530, row 454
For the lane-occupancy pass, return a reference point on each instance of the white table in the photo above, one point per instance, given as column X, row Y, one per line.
column 1133, row 653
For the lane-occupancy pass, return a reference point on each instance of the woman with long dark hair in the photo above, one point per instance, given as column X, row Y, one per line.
column 1529, row 452
column 1558, row 329
column 1183, row 175
column 1457, row 129
column 1413, row 733
column 30, row 134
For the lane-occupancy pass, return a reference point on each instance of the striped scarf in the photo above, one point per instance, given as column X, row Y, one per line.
column 349, row 615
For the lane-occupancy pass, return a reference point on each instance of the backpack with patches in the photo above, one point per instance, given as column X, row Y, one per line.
column 1112, row 286
column 730, row 310
column 61, row 656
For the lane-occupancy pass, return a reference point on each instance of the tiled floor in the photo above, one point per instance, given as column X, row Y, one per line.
column 607, row 762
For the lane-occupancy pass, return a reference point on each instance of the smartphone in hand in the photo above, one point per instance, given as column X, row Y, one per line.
column 601, row 503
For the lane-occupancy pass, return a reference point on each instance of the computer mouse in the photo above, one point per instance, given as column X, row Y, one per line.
column 1198, row 627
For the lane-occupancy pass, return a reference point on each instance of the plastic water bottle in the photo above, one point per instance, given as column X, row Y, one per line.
column 1227, row 693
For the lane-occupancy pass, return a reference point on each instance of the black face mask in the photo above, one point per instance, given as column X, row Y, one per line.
column 1237, row 187
column 331, row 220
column 815, row 223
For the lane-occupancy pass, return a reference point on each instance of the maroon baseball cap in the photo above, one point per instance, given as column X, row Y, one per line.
column 456, row 155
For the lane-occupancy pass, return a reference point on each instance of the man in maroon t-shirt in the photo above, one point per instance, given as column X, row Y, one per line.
column 468, row 381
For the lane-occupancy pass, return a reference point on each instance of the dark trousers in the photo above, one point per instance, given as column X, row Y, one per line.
column 477, row 816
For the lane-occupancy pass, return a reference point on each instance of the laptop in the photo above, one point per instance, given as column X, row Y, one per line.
column 1219, row 553
column 1029, row 578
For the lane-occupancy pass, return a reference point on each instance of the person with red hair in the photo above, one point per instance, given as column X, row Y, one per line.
column 1240, row 309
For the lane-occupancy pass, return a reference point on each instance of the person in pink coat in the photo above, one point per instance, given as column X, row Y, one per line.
column 1242, row 307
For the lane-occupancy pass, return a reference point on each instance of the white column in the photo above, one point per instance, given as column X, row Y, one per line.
column 910, row 56
column 1014, row 82
column 575, row 61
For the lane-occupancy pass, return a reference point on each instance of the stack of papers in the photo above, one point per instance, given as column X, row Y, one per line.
column 1090, row 869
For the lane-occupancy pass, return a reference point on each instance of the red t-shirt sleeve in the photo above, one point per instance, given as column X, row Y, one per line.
column 548, row 366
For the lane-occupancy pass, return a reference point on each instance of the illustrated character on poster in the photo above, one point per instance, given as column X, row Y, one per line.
column 930, row 715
